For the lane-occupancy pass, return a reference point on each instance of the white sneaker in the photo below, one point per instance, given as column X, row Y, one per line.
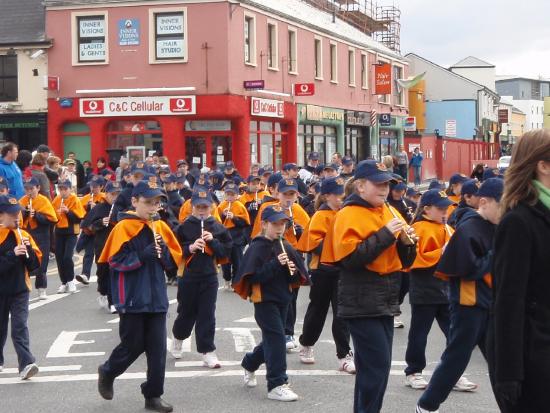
column 282, row 393
column 42, row 295
column 102, row 301
column 1, row 368
column 83, row 278
column 71, row 287
column 306, row 355
column 416, row 381
column 421, row 410
column 347, row 364
column 250, row 378
column 176, row 348
column 29, row 371
column 290, row 344
column 211, row 361
column 62, row 289
column 112, row 309
column 397, row 323
column 463, row 384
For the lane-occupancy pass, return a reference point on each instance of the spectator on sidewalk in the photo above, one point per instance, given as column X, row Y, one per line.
column 416, row 163
column 10, row 171
column 402, row 163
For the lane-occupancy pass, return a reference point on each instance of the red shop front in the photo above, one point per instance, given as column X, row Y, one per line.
column 209, row 130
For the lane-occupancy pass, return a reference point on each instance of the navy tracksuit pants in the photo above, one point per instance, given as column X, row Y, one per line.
column 139, row 333
column 468, row 330
column 230, row 270
column 422, row 318
column 197, row 308
column 372, row 341
column 64, row 251
column 291, row 313
column 272, row 350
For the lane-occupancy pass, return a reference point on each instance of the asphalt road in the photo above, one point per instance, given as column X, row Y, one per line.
column 71, row 336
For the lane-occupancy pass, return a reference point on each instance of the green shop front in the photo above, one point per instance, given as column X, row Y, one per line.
column 320, row 129
column 390, row 135
column 26, row 130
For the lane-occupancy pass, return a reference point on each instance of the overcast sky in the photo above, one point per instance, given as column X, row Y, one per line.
column 513, row 35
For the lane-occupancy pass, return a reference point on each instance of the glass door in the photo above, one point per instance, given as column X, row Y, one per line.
column 195, row 150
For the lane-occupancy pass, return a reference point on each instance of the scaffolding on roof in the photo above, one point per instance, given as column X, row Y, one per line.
column 380, row 22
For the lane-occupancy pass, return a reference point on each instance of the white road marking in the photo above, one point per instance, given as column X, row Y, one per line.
column 245, row 320
column 243, row 338
column 199, row 363
column 66, row 339
column 45, row 369
column 51, row 298
column 185, row 346
column 117, row 320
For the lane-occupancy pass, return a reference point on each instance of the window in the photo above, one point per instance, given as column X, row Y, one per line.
column 364, row 71
column 266, row 143
column 316, row 138
column 351, row 67
column 272, row 62
column 318, row 46
column 399, row 96
column 170, row 41
column 333, row 63
column 292, row 46
column 250, row 40
column 91, row 38
column 8, row 78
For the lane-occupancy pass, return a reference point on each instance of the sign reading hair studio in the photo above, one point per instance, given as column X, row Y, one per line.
column 170, row 36
column 138, row 106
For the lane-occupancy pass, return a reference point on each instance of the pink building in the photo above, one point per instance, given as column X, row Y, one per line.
column 212, row 81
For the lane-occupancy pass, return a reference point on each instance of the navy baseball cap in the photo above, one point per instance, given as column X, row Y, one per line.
column 164, row 170
column 64, row 184
column 170, row 179
column 231, row 187
column 286, row 185
column 265, row 170
column 274, row 179
column 436, row 198
column 412, row 192
column 181, row 162
column 313, row 156
column 332, row 166
column 229, row 165
column 106, row 171
column 333, row 186
column 458, row 179
column 319, row 169
column 435, row 184
column 180, row 178
column 253, row 178
column 289, row 166
column 491, row 188
column 97, row 180
column 274, row 213
column 373, row 171
column 30, row 182
column 9, row 204
column 470, row 187
column 399, row 186
column 347, row 160
column 489, row 173
column 201, row 197
column 112, row 187
column 147, row 189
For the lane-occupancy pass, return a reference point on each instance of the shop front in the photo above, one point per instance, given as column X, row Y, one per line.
column 391, row 134
column 27, row 130
column 204, row 130
column 357, row 142
column 320, row 129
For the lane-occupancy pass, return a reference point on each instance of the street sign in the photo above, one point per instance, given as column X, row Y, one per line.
column 385, row 119
column 450, row 128
column 254, row 84
column 304, row 89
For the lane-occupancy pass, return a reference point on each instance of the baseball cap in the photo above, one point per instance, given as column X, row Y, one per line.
column 489, row 173
column 170, row 179
column 457, row 179
column 231, row 187
column 252, row 178
column 435, row 184
column 180, row 178
column 373, row 171
column 97, row 180
column 229, row 165
column 286, row 185
column 181, row 162
column 201, row 197
column 9, row 204
column 107, row 172
column 332, row 166
column 273, row 213
column 43, row 148
column 69, row 162
column 147, row 189
column 111, row 187
column 333, row 186
column 274, row 179
column 412, row 192
column 289, row 166
column 313, row 156
column 470, row 187
column 399, row 186
column 164, row 170
column 64, row 184
column 266, row 170
column 436, row 198
column 492, row 188
column 29, row 182
column 347, row 160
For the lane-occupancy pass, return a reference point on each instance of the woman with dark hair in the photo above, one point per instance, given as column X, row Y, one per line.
column 101, row 165
column 519, row 335
column 37, row 171
column 477, row 173
column 23, row 161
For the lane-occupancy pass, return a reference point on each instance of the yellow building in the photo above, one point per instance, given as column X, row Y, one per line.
column 547, row 113
column 417, row 104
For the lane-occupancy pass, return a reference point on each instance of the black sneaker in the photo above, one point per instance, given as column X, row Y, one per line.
column 104, row 385
column 156, row 404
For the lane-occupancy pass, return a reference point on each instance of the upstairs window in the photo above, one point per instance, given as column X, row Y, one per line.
column 292, row 46
column 92, row 39
column 8, row 78
column 170, row 38
column 272, row 59
column 250, row 40
column 333, row 63
column 318, row 49
column 351, row 67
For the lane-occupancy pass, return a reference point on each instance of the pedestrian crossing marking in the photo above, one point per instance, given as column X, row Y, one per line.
column 44, row 369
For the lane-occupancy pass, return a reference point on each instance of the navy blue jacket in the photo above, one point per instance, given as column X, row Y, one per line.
column 12, row 267
column 138, row 282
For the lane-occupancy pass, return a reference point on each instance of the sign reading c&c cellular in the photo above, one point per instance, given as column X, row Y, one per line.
column 138, row 106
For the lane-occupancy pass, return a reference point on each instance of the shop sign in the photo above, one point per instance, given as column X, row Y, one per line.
column 410, row 124
column 138, row 106
column 172, row 43
column 94, row 27
column 66, row 103
column 92, row 51
column 385, row 119
column 19, row 125
column 304, row 89
column 502, row 116
column 450, row 128
column 358, row 118
column 208, row 125
column 254, row 84
column 128, row 32
column 267, row 108
column 382, row 79
column 319, row 113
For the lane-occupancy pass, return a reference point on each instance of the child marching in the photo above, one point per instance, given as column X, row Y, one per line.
column 271, row 268
column 139, row 249
column 38, row 218
column 323, row 292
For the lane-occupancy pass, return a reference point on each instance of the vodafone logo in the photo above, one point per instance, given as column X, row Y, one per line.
column 304, row 89
column 181, row 105
column 93, row 107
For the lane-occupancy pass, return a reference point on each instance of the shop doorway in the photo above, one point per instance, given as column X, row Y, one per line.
column 266, row 143
column 124, row 133
column 211, row 149
column 76, row 138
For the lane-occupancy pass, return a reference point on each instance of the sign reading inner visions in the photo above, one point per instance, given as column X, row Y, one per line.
column 170, row 36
